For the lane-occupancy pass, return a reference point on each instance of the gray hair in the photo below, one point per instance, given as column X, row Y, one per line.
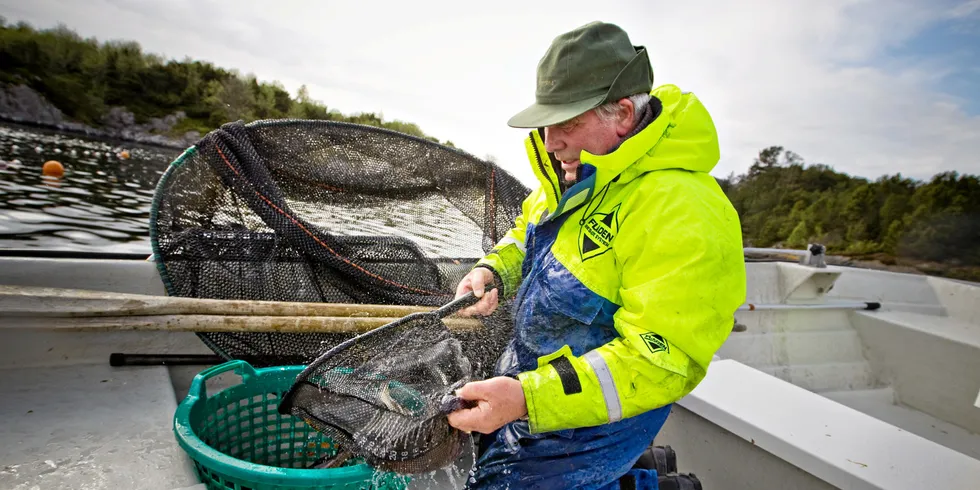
column 611, row 110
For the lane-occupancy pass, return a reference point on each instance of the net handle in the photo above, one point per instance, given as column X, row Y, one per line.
column 199, row 386
column 468, row 299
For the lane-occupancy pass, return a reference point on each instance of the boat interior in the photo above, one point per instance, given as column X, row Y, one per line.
column 814, row 393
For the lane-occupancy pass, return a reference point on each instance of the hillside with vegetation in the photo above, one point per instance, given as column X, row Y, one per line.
column 932, row 226
column 85, row 79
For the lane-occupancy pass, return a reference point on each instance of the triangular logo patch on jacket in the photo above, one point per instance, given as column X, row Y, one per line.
column 597, row 233
column 655, row 343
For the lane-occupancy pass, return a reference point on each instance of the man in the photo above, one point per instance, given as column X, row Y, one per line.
column 626, row 268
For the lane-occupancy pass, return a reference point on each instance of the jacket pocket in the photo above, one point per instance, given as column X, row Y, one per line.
column 568, row 295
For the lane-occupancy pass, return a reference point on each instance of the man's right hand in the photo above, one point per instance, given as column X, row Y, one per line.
column 476, row 281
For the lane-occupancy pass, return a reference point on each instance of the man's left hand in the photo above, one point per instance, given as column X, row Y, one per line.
column 499, row 401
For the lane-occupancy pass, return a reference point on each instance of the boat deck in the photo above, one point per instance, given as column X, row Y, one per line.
column 90, row 426
column 880, row 404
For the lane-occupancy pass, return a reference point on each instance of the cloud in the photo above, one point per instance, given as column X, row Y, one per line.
column 810, row 76
column 819, row 78
column 965, row 9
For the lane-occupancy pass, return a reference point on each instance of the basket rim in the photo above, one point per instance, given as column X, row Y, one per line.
column 226, row 465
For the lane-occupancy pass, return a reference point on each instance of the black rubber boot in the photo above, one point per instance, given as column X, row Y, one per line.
column 679, row 482
column 660, row 458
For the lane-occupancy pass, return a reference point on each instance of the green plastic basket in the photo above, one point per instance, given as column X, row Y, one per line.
column 238, row 440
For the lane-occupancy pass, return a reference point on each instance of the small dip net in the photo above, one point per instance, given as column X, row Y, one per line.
column 384, row 396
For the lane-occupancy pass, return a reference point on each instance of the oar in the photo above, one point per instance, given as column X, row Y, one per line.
column 55, row 302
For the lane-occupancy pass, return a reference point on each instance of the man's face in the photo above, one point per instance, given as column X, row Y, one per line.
column 585, row 132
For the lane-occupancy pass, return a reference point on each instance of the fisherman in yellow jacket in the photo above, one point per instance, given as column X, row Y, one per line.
column 625, row 268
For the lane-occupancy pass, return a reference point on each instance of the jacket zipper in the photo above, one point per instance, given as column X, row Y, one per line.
column 519, row 303
column 542, row 168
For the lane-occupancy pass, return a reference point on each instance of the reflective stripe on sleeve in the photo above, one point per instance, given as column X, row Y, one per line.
column 508, row 240
column 609, row 392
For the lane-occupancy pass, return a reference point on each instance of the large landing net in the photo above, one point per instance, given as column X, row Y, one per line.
column 322, row 211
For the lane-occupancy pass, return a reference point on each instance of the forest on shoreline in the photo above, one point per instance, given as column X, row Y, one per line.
column 932, row 226
column 85, row 79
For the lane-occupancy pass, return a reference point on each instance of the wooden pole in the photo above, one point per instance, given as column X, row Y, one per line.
column 221, row 323
column 17, row 301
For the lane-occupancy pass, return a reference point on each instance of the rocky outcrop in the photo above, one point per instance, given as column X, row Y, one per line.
column 122, row 123
column 21, row 104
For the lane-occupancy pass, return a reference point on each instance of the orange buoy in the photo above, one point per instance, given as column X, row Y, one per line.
column 53, row 168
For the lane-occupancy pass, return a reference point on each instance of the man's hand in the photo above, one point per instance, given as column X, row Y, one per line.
column 476, row 281
column 499, row 400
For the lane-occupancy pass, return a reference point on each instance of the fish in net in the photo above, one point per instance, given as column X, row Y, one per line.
column 384, row 396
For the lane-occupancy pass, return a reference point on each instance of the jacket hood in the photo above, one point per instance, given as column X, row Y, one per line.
column 682, row 137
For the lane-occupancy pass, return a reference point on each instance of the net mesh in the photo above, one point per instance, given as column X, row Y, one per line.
column 384, row 395
column 323, row 211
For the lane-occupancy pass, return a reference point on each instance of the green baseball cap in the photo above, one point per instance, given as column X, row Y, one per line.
column 583, row 69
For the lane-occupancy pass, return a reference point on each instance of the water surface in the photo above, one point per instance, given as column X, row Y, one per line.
column 102, row 203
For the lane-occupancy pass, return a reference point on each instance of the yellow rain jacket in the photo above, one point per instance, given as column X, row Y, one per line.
column 626, row 284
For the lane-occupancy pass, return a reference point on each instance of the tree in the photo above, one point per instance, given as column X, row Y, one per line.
column 767, row 160
column 799, row 237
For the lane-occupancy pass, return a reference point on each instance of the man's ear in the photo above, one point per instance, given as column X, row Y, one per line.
column 627, row 113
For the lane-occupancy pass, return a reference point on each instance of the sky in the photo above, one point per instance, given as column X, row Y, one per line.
column 868, row 87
